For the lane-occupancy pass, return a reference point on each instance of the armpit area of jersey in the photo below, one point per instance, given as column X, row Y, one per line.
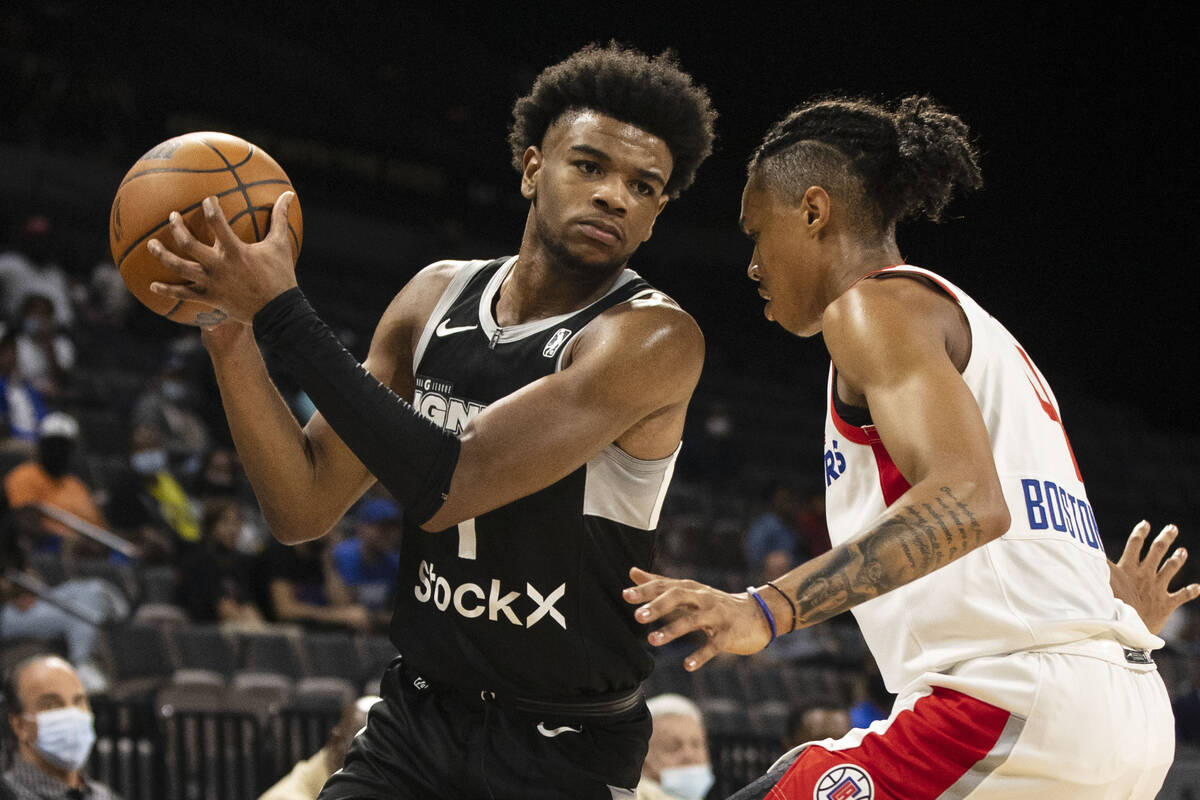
column 411, row 457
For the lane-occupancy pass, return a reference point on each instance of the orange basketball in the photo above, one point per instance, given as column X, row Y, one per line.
column 176, row 176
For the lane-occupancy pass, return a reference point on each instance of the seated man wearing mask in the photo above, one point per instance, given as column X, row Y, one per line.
column 51, row 719
column 49, row 479
column 676, row 766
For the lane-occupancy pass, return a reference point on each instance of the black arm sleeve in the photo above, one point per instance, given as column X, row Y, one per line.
column 413, row 458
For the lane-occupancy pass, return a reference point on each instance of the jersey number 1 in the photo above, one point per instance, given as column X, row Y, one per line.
column 466, row 539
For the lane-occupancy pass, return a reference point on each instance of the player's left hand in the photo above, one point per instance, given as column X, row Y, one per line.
column 1144, row 583
column 733, row 623
column 237, row 277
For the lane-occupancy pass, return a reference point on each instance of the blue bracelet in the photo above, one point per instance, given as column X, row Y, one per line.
column 766, row 611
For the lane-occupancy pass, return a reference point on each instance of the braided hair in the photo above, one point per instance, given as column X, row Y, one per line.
column 886, row 165
column 652, row 93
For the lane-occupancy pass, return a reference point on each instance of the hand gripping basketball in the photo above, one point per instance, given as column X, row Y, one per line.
column 232, row 275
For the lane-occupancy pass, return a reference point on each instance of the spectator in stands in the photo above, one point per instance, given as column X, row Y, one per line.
column 219, row 476
column 49, row 480
column 31, row 269
column 814, row 721
column 167, row 406
column 810, row 525
column 22, row 406
column 369, row 560
column 51, row 718
column 303, row 586
column 305, row 780
column 47, row 612
column 91, row 603
column 772, row 542
column 148, row 504
column 677, row 765
column 45, row 355
column 217, row 580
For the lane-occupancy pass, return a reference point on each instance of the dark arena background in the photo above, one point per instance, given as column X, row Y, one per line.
column 391, row 120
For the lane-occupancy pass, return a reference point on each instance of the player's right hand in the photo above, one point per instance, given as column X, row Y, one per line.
column 235, row 276
column 733, row 623
column 1144, row 583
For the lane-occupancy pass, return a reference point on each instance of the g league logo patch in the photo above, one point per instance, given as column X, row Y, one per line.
column 844, row 782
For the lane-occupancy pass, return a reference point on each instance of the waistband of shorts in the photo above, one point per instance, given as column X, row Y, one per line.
column 592, row 706
column 1104, row 648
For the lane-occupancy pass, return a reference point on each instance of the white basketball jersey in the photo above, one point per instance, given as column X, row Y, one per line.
column 1043, row 583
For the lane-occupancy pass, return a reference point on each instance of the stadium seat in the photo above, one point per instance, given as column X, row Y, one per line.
column 769, row 718
column 139, row 658
column 323, row 694
column 205, row 647
column 334, row 655
column 274, row 652
column 261, row 693
column 724, row 715
column 189, row 697
column 159, row 584
column 164, row 615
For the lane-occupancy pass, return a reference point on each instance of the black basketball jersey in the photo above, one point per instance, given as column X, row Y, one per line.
column 525, row 599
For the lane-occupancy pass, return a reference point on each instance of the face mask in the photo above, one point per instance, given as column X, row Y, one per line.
column 689, row 783
column 55, row 454
column 65, row 736
column 149, row 462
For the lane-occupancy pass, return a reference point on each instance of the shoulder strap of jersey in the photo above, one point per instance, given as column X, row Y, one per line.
column 470, row 279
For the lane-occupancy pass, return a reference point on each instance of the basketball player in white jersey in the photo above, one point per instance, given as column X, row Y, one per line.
column 963, row 537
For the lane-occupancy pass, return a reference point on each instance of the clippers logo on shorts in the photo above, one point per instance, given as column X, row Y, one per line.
column 471, row 600
column 844, row 782
column 434, row 400
column 556, row 341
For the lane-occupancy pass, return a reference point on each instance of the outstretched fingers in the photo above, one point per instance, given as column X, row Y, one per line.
column 189, row 271
column 1185, row 595
column 1160, row 545
column 223, row 236
column 185, row 243
column 1132, row 553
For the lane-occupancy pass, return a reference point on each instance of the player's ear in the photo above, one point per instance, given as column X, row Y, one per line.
column 815, row 206
column 532, row 161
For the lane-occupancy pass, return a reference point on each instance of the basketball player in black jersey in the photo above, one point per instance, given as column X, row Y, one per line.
column 526, row 410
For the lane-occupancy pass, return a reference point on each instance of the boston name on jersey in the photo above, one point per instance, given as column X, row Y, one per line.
column 526, row 598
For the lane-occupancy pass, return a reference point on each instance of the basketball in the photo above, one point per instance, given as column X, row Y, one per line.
column 177, row 175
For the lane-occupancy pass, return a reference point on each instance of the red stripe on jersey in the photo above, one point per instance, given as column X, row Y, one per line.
column 891, row 481
column 921, row 754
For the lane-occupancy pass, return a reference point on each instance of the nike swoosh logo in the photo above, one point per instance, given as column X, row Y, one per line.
column 445, row 330
column 550, row 733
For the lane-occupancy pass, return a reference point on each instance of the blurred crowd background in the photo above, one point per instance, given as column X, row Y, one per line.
column 392, row 128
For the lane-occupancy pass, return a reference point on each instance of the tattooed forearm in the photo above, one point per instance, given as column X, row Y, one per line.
column 969, row 530
column 903, row 547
